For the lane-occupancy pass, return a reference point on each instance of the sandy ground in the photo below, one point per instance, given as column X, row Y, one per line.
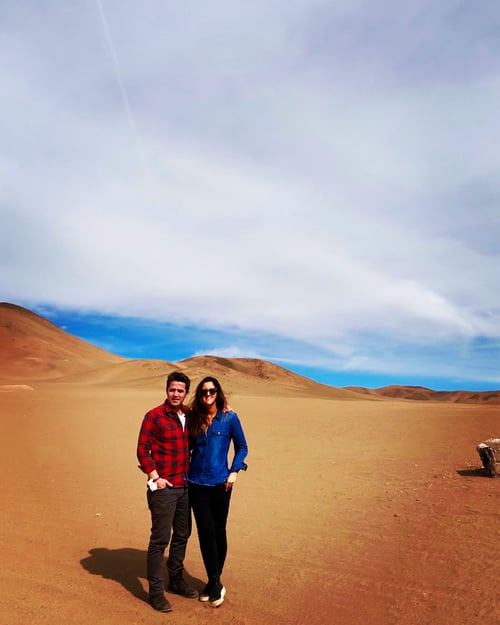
column 351, row 512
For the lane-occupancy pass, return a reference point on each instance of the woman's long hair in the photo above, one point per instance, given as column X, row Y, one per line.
column 198, row 419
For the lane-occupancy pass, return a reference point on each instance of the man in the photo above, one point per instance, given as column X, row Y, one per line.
column 163, row 454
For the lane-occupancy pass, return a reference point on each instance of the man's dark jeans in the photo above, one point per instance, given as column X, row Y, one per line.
column 210, row 507
column 170, row 515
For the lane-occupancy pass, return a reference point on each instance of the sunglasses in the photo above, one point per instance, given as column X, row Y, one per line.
column 208, row 391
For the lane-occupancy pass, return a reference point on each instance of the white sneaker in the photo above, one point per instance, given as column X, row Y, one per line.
column 204, row 594
column 215, row 602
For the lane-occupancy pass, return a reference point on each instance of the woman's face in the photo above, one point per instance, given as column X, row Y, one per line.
column 208, row 394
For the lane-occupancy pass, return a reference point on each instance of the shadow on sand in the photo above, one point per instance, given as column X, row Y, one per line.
column 479, row 472
column 125, row 566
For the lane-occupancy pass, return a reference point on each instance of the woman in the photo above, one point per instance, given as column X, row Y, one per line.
column 212, row 428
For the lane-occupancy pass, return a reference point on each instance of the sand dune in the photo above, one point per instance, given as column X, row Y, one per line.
column 353, row 512
column 7, row 388
column 34, row 348
column 143, row 373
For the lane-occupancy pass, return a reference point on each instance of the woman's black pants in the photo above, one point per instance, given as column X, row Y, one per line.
column 210, row 506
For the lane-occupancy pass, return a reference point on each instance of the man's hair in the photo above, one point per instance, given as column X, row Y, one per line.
column 178, row 376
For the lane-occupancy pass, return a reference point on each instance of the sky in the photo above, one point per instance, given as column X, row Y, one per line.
column 312, row 183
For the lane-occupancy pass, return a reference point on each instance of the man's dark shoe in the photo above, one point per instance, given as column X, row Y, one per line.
column 179, row 587
column 160, row 603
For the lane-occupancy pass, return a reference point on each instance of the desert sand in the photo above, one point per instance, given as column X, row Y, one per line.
column 355, row 509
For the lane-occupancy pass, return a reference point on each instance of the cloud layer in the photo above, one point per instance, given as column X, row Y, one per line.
column 320, row 175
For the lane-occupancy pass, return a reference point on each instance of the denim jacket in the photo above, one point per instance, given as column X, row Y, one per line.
column 209, row 451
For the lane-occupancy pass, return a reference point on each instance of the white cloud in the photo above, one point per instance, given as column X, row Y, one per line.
column 302, row 169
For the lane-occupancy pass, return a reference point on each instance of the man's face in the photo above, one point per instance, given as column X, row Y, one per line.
column 176, row 393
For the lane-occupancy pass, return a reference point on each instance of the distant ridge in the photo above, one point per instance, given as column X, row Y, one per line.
column 253, row 375
column 421, row 393
column 34, row 349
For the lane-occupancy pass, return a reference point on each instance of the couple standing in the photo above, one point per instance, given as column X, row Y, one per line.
column 183, row 450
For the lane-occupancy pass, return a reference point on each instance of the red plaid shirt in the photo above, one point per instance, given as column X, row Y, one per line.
column 163, row 445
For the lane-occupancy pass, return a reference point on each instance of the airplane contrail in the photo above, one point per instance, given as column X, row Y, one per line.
column 119, row 79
